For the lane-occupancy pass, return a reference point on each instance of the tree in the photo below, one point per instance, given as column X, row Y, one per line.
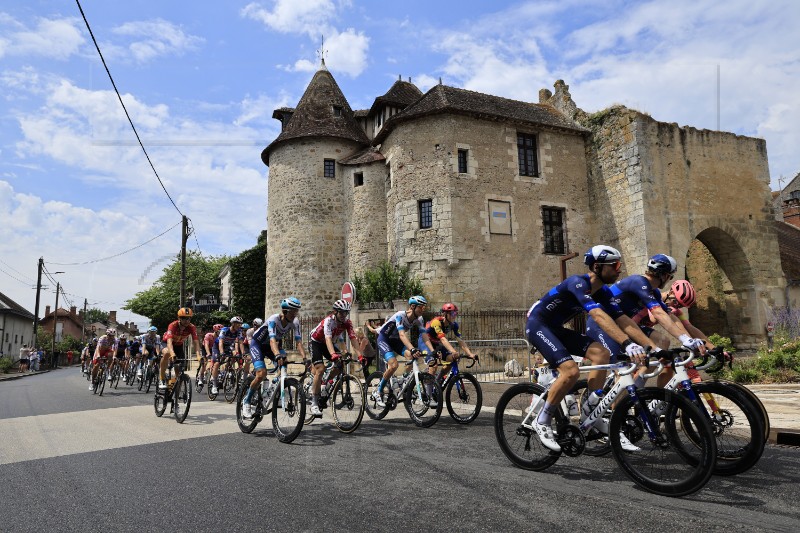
column 160, row 302
column 385, row 283
column 249, row 281
column 96, row 315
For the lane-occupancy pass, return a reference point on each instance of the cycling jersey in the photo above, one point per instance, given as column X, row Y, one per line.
column 399, row 322
column 179, row 334
column 229, row 337
column 437, row 328
column 276, row 329
column 634, row 294
column 208, row 339
column 105, row 346
column 330, row 327
column 119, row 349
column 134, row 346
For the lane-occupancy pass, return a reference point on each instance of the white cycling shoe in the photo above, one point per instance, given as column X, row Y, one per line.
column 247, row 410
column 545, row 433
column 627, row 445
column 316, row 411
column 378, row 400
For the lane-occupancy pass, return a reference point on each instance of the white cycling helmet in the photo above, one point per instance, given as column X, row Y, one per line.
column 341, row 305
column 601, row 254
column 237, row 319
column 257, row 322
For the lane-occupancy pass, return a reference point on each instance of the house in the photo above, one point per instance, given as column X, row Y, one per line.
column 16, row 327
column 68, row 322
column 787, row 202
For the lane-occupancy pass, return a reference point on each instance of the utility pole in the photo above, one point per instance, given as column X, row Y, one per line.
column 184, row 238
column 83, row 332
column 36, row 311
column 55, row 321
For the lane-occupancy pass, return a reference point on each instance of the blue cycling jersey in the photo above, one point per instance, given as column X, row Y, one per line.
column 634, row 294
column 229, row 338
column 571, row 297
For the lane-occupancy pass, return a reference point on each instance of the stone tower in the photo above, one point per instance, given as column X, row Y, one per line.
column 307, row 226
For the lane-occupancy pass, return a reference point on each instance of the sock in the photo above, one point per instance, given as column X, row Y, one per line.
column 381, row 385
column 315, row 399
column 248, row 395
column 546, row 414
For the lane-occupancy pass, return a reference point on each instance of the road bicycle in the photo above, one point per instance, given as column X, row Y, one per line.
column 418, row 390
column 101, row 377
column 344, row 393
column 462, row 391
column 668, row 462
column 282, row 397
column 227, row 378
column 149, row 372
column 178, row 393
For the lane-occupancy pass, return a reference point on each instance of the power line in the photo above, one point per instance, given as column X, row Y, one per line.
column 26, row 283
column 17, row 271
column 119, row 254
column 124, row 108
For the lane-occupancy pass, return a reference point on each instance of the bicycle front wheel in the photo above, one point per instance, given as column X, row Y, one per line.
column 159, row 403
column 464, row 398
column 306, row 384
column 375, row 411
column 288, row 410
column 182, row 397
column 423, row 400
column 102, row 385
column 347, row 399
column 247, row 425
column 754, row 399
column 519, row 441
column 668, row 461
column 229, row 386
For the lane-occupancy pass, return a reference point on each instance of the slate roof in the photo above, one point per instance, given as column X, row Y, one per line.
column 7, row 305
column 444, row 99
column 313, row 116
column 360, row 113
column 789, row 246
column 401, row 94
column 367, row 155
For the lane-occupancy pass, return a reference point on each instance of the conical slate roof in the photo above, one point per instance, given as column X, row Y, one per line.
column 315, row 115
column 400, row 94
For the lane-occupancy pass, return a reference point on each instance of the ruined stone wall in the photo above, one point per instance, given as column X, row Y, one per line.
column 458, row 259
column 306, row 224
column 365, row 209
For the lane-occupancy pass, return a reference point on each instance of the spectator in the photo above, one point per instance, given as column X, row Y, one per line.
column 24, row 358
column 34, row 360
column 69, row 357
column 770, row 336
column 366, row 348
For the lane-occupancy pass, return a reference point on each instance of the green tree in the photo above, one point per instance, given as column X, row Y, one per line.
column 160, row 302
column 249, row 281
column 96, row 315
column 385, row 283
column 44, row 339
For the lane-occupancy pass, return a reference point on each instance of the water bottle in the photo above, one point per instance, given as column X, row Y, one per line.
column 572, row 405
column 397, row 385
column 591, row 403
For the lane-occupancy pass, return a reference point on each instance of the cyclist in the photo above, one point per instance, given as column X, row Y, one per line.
column 151, row 347
column 134, row 346
column 120, row 352
column 211, row 351
column 323, row 347
column 229, row 344
column 177, row 333
column 545, row 330
column 104, row 350
column 394, row 339
column 267, row 341
column 438, row 346
column 639, row 296
column 257, row 323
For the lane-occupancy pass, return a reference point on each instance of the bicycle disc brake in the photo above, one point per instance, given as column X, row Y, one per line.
column 633, row 429
column 571, row 440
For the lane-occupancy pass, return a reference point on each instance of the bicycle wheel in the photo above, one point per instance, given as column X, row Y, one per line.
column 102, row 385
column 198, row 378
column 517, row 441
column 247, row 425
column 288, row 410
column 423, row 400
column 374, row 411
column 96, row 382
column 115, row 377
column 735, row 420
column 142, row 379
column 597, row 443
column 754, row 399
column 229, row 386
column 347, row 399
column 209, row 385
column 668, row 462
column 151, row 376
column 182, row 397
column 159, row 403
column 306, row 384
column 464, row 398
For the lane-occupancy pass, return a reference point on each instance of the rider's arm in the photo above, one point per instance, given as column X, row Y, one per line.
column 669, row 322
column 196, row 341
column 170, row 350
column 404, row 339
column 630, row 328
column 463, row 345
column 608, row 325
column 697, row 334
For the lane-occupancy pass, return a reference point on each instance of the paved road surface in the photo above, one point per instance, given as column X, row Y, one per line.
column 110, row 464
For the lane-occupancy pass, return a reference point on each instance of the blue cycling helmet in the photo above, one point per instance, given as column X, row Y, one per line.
column 290, row 303
column 245, row 326
column 662, row 264
column 601, row 254
column 417, row 300
column 153, row 329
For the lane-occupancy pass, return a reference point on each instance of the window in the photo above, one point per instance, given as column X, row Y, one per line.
column 462, row 161
column 526, row 150
column 358, row 179
column 553, row 222
column 337, row 111
column 330, row 168
column 16, row 339
column 425, row 214
column 499, row 217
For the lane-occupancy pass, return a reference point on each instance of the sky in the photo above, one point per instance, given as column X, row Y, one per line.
column 200, row 80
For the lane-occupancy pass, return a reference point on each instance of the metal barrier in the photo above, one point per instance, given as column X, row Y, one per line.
column 496, row 356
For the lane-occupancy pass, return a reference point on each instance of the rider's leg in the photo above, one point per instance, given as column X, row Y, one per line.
column 598, row 355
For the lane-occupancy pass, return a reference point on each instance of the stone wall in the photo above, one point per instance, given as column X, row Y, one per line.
column 459, row 259
column 365, row 212
column 306, row 224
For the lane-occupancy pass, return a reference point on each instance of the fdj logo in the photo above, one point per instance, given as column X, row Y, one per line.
column 552, row 305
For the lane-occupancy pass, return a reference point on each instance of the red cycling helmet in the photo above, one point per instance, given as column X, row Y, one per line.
column 684, row 292
column 449, row 308
column 218, row 327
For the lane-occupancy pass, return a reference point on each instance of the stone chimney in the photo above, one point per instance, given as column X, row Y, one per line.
column 112, row 317
column 46, row 310
column 73, row 311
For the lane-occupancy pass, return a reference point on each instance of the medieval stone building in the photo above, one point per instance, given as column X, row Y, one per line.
column 482, row 196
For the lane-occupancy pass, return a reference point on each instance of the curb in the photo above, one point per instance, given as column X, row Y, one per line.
column 784, row 437
column 20, row 376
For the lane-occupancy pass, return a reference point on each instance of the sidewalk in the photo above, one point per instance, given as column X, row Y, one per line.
column 782, row 402
column 17, row 375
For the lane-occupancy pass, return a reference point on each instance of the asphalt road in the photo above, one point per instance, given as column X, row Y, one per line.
column 70, row 460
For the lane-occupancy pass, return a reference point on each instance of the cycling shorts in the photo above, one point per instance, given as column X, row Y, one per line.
column 596, row 333
column 319, row 352
column 389, row 348
column 557, row 344
column 259, row 352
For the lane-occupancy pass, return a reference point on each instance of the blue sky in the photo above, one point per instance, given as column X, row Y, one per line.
column 202, row 78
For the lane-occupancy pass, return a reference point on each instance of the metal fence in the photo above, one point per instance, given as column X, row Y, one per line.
column 502, row 360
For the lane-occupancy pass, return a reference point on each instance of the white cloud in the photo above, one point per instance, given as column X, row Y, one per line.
column 51, row 38
column 158, row 38
column 347, row 52
column 260, row 108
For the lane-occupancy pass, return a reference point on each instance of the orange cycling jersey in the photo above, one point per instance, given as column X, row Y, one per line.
column 179, row 334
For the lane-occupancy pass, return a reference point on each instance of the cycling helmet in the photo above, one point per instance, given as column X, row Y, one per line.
column 417, row 300
column 217, row 327
column 184, row 312
column 662, row 264
column 236, row 320
column 111, row 331
column 245, row 326
column 684, row 292
column 290, row 303
column 341, row 305
column 257, row 322
column 153, row 329
column 449, row 308
column 601, row 254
